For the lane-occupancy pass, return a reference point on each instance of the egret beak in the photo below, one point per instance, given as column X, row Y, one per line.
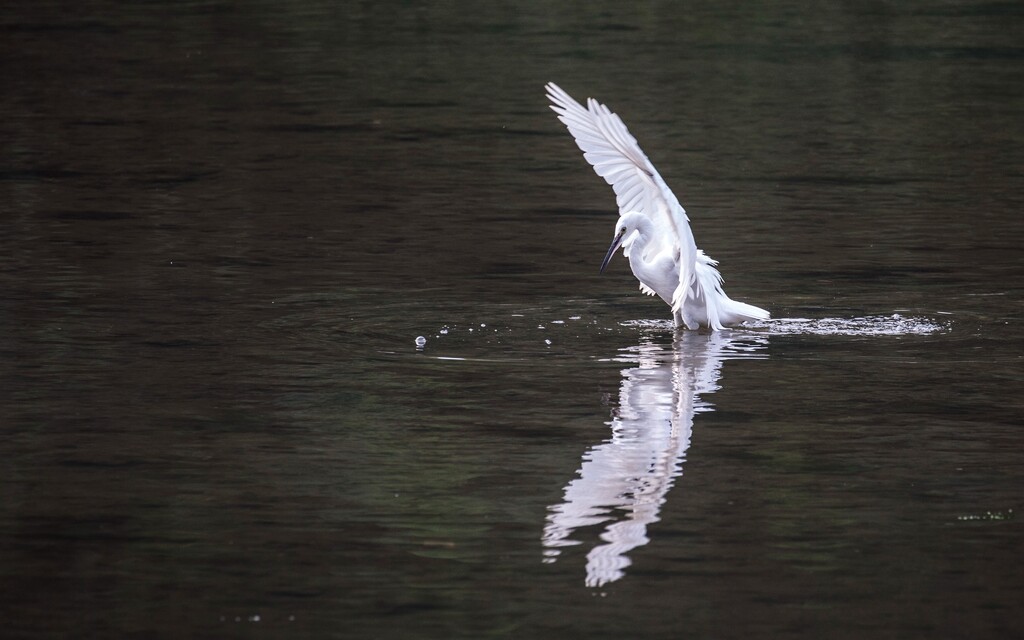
column 616, row 243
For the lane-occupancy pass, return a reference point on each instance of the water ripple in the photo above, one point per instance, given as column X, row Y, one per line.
column 894, row 325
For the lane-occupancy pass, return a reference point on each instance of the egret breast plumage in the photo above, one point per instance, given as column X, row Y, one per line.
column 653, row 229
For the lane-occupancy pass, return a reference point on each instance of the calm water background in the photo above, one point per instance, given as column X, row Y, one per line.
column 223, row 227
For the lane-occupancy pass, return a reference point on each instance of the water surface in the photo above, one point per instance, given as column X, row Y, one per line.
column 224, row 227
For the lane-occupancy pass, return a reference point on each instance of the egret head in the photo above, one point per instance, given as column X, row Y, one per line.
column 625, row 234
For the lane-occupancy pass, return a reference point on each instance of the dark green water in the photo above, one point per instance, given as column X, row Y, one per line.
column 223, row 228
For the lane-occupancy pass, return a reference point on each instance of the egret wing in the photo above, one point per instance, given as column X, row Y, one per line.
column 616, row 156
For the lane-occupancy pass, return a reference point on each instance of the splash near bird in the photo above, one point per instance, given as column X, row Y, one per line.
column 652, row 230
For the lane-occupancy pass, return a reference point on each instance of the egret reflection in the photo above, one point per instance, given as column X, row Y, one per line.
column 622, row 482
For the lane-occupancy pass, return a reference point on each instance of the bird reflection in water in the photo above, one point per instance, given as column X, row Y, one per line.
column 622, row 482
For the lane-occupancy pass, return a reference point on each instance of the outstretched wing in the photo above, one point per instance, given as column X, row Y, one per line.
column 616, row 157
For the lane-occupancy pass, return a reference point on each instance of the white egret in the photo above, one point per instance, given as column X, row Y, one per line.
column 653, row 229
